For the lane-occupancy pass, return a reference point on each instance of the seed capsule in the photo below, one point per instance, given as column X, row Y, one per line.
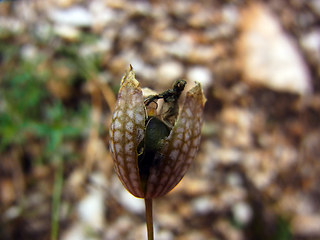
column 152, row 153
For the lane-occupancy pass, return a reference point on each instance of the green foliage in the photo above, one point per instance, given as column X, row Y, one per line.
column 283, row 231
column 29, row 112
column 21, row 93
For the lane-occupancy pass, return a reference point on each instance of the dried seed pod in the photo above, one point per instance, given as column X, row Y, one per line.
column 151, row 155
column 126, row 132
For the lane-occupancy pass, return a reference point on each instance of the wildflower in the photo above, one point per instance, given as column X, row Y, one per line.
column 153, row 152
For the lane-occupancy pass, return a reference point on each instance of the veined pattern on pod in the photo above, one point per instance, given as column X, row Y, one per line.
column 163, row 161
column 179, row 148
column 126, row 131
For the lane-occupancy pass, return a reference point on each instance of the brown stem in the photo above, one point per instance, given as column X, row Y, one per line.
column 149, row 219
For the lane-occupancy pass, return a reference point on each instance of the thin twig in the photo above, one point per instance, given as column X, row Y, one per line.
column 56, row 198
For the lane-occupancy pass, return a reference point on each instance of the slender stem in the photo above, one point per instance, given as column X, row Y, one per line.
column 149, row 219
column 56, row 198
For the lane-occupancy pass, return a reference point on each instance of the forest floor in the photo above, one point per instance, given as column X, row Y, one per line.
column 256, row 175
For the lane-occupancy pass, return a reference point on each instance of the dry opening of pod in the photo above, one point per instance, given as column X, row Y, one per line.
column 153, row 148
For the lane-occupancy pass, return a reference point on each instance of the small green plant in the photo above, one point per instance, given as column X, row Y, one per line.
column 31, row 115
column 152, row 151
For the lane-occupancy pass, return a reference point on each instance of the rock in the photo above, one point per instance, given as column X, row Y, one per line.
column 139, row 232
column 67, row 32
column 12, row 212
column 76, row 231
column 131, row 33
column 208, row 161
column 234, row 179
column 194, row 186
column 242, row 212
column 268, row 56
column 165, row 34
column 200, row 74
column 131, row 203
column 202, row 54
column 74, row 16
column 165, row 235
column 226, row 230
column 182, row 47
column 169, row 221
column 122, row 225
column 202, row 205
column 91, row 209
column 307, row 225
column 29, row 52
column 102, row 15
column 155, row 50
column 238, row 125
column 11, row 25
column 169, row 71
column 200, row 19
column 143, row 8
column 128, row 201
column 229, row 156
column 230, row 14
column 220, row 31
column 145, row 71
column 43, row 31
column 311, row 43
column 95, row 48
column 230, row 196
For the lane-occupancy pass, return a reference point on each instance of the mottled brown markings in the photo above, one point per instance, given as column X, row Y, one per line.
column 189, row 123
column 125, row 132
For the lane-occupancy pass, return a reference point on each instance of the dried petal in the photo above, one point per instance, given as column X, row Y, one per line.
column 179, row 148
column 127, row 131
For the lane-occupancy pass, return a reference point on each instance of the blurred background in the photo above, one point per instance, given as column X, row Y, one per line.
column 256, row 175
